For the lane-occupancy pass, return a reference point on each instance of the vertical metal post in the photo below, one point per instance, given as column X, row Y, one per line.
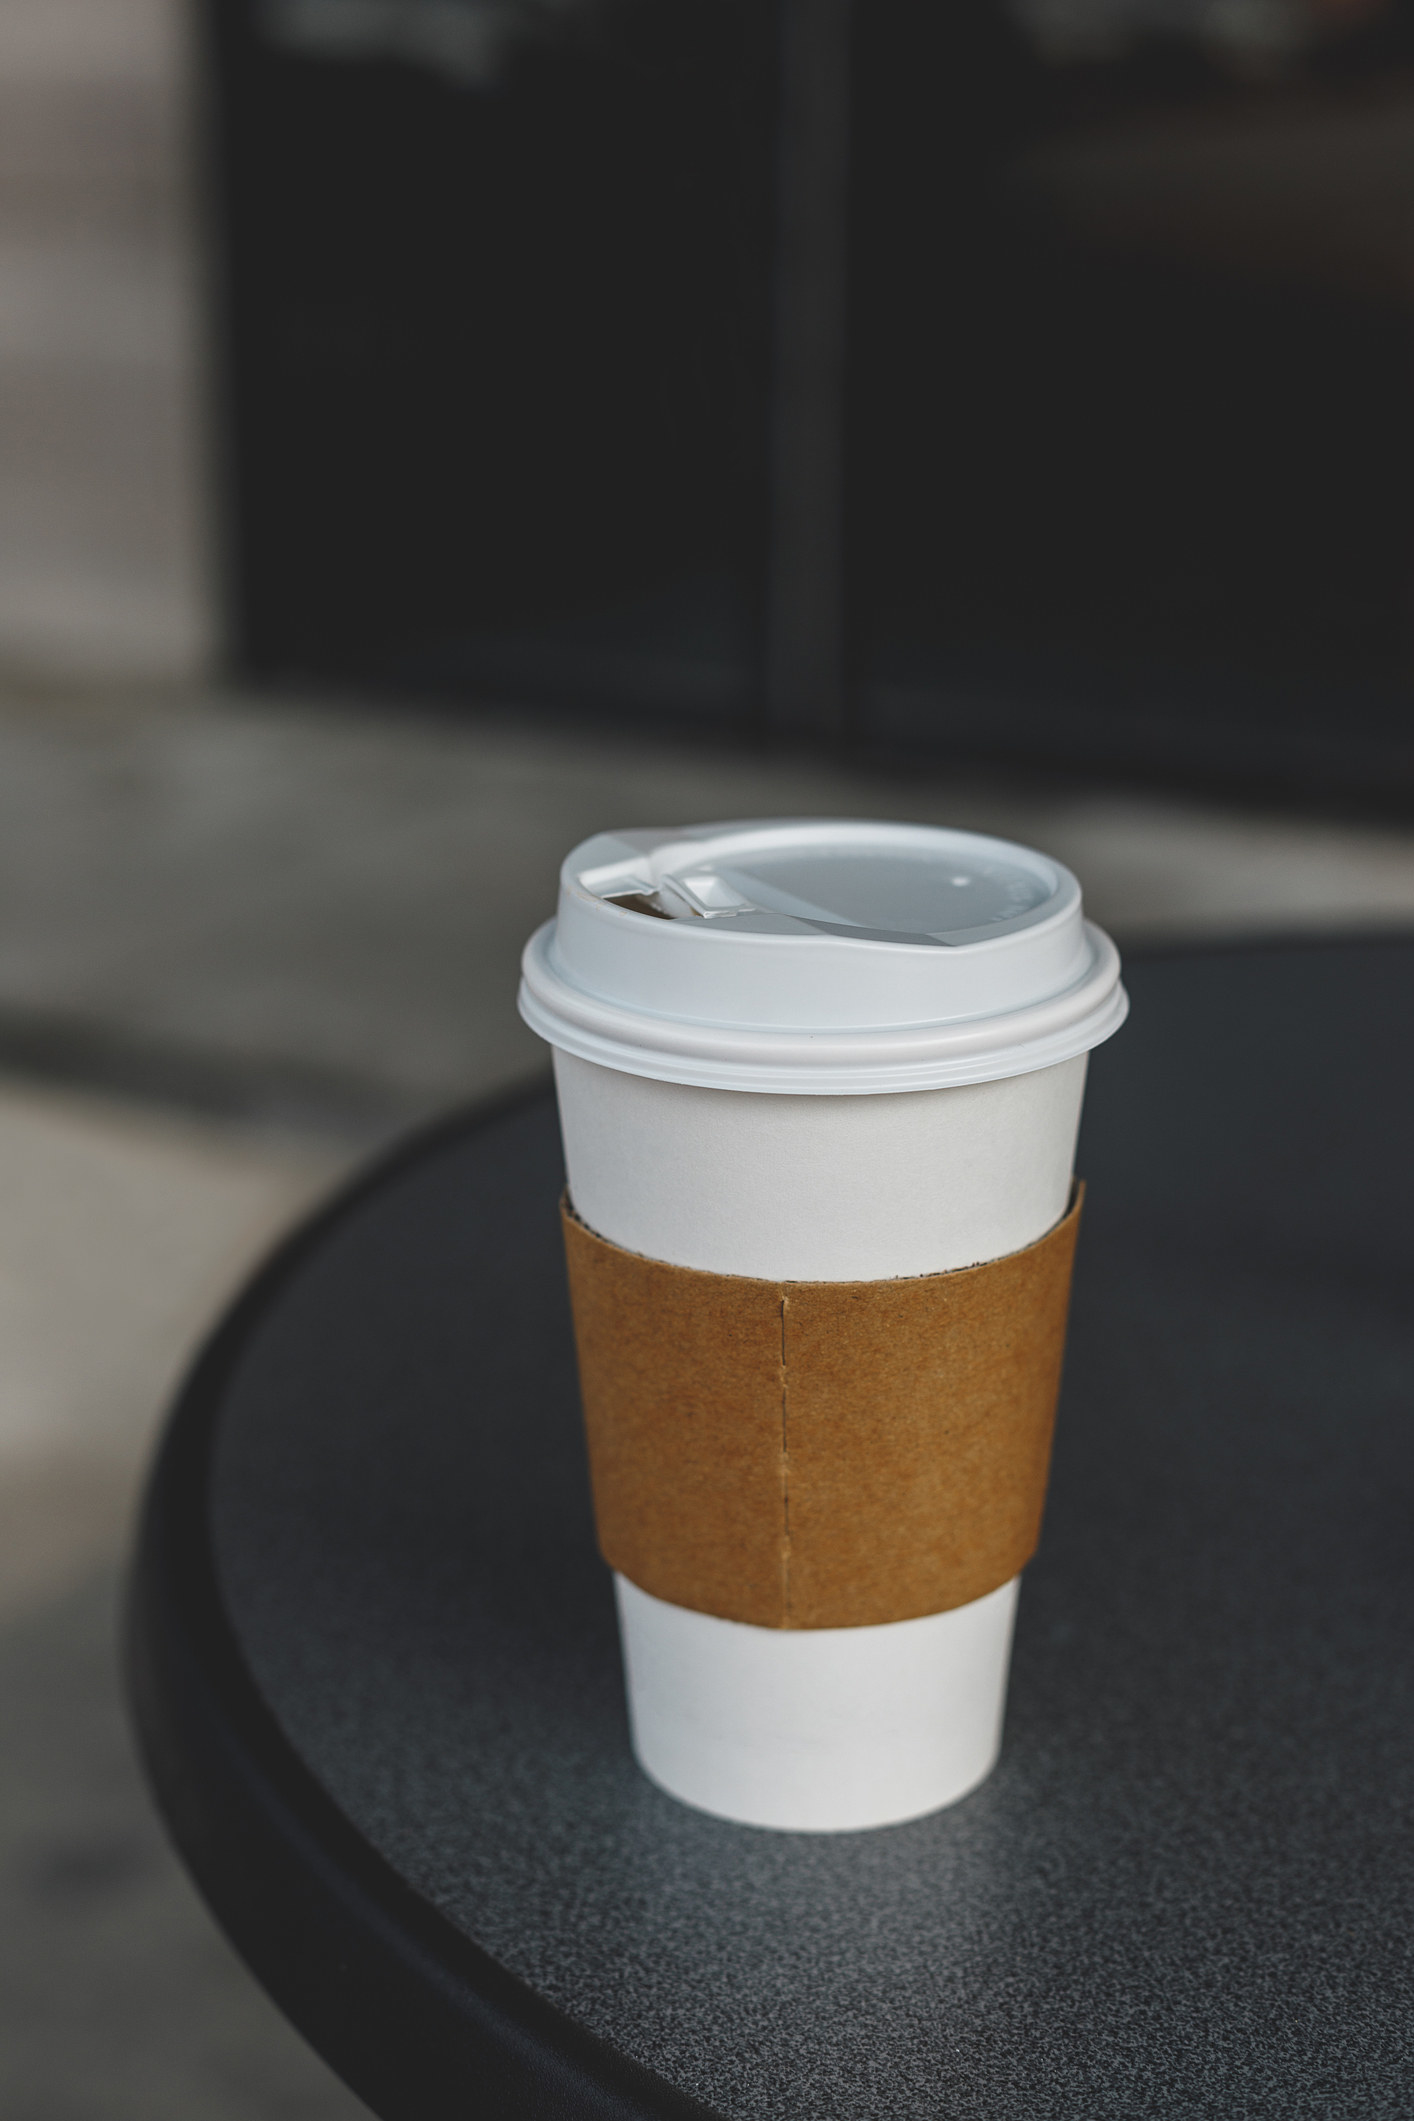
column 805, row 676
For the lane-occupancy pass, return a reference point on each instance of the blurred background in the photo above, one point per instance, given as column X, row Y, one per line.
column 434, row 430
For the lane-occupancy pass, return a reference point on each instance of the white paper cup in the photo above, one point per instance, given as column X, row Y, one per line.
column 840, row 1082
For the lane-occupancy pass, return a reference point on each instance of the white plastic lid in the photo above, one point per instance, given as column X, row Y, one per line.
column 822, row 956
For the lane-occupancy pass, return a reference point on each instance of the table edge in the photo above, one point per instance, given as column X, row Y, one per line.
column 416, row 2018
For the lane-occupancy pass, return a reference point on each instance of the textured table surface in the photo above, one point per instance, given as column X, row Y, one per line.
column 1186, row 1888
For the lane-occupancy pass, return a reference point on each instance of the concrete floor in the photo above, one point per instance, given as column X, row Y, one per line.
column 323, row 909
column 119, row 1999
column 121, row 1231
column 242, row 943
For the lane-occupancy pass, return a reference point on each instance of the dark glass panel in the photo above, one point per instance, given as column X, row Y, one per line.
column 1132, row 384
column 496, row 303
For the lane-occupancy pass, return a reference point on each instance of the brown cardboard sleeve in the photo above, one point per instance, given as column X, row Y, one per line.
column 819, row 1454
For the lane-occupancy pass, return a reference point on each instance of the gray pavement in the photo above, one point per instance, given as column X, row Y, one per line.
column 119, row 2000
column 321, row 908
column 122, row 1229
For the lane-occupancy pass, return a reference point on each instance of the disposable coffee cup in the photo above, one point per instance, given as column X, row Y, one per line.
column 818, row 1051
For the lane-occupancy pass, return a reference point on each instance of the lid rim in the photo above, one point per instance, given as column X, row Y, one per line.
column 825, row 1062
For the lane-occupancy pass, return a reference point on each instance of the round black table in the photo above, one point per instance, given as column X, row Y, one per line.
column 373, row 1660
